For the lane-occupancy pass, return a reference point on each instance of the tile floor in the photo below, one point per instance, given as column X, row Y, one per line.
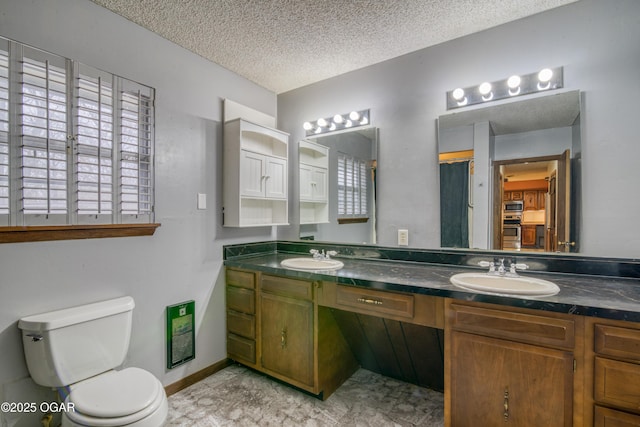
column 237, row 396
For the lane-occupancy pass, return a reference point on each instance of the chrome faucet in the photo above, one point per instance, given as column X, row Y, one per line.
column 514, row 267
column 497, row 267
column 322, row 255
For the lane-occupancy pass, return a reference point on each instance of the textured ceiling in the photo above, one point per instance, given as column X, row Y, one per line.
column 285, row 44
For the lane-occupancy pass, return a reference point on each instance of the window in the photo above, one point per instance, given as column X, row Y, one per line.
column 76, row 143
column 352, row 187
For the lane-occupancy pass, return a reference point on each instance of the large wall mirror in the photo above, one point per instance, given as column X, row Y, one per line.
column 510, row 176
column 338, row 186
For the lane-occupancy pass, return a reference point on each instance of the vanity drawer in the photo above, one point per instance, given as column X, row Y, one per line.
column 240, row 299
column 241, row 279
column 522, row 327
column 241, row 349
column 241, row 324
column 375, row 302
column 617, row 342
column 617, row 383
column 605, row 417
column 285, row 286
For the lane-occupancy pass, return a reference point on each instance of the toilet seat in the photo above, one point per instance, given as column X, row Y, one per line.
column 118, row 398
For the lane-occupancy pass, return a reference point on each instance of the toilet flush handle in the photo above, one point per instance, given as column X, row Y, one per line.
column 35, row 337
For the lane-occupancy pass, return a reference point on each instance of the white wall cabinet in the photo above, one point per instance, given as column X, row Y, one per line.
column 262, row 176
column 314, row 182
column 255, row 175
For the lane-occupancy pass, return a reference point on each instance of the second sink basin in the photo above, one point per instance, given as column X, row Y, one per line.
column 505, row 285
column 309, row 264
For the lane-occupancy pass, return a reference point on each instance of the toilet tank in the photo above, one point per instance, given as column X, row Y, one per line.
column 65, row 346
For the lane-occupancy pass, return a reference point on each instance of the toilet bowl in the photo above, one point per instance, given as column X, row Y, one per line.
column 131, row 397
column 99, row 395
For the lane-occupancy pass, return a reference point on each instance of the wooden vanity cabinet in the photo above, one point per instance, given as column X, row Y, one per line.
column 241, row 316
column 510, row 367
column 613, row 359
column 287, row 315
column 274, row 325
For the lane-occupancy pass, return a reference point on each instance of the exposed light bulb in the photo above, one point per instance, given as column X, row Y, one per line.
column 348, row 124
column 545, row 75
column 458, row 94
column 307, row 126
column 333, row 126
column 354, row 115
column 514, row 85
column 318, row 129
column 514, row 82
column 364, row 121
column 485, row 88
column 338, row 118
column 322, row 122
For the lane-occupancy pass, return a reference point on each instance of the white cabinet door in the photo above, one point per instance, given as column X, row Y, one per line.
column 306, row 178
column 275, row 178
column 252, row 174
column 313, row 183
column 319, row 182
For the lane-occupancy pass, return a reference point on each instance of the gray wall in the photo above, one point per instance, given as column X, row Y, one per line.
column 183, row 260
column 597, row 43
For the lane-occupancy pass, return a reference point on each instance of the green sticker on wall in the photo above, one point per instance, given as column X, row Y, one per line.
column 181, row 338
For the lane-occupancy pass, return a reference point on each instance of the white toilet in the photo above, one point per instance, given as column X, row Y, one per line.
column 78, row 348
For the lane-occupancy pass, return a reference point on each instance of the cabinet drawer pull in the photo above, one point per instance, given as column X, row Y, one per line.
column 506, row 405
column 283, row 338
column 369, row 301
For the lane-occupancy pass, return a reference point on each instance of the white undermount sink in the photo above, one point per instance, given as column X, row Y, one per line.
column 312, row 264
column 504, row 285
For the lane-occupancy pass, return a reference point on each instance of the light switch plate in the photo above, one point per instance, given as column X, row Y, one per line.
column 202, row 201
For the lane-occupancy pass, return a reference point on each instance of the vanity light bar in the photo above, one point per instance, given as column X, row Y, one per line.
column 546, row 79
column 338, row 122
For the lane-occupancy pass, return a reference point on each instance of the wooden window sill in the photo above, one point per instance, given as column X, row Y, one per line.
column 352, row 220
column 71, row 232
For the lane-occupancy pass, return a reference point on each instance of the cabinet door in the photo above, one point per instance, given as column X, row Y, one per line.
column 319, row 181
column 252, row 174
column 530, row 200
column 528, row 235
column 287, row 337
column 306, row 179
column 275, row 178
column 542, row 198
column 516, row 195
column 505, row 383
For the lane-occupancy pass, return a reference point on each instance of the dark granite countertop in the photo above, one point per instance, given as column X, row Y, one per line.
column 589, row 295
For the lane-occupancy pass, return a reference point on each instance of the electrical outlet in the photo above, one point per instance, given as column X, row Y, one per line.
column 403, row 237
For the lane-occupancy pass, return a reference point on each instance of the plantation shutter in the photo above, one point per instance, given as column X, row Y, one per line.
column 136, row 151
column 363, row 186
column 352, row 186
column 94, row 144
column 76, row 143
column 43, row 133
column 4, row 133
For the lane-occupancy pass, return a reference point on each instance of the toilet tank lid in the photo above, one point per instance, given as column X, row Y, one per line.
column 74, row 315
